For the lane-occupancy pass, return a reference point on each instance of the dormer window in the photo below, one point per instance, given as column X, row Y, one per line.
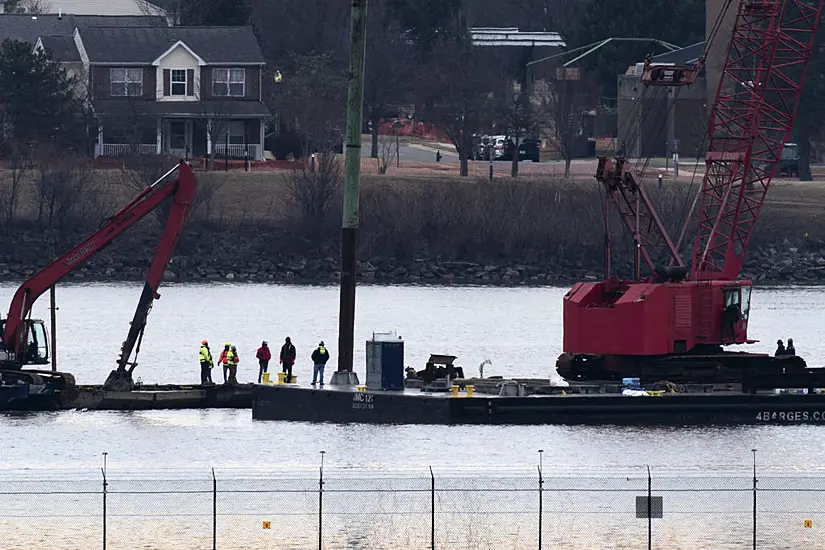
column 126, row 82
column 228, row 82
column 178, row 82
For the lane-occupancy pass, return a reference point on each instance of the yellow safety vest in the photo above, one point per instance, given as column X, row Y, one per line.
column 322, row 350
column 204, row 355
column 231, row 358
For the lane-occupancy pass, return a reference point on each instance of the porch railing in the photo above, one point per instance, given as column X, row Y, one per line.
column 127, row 150
column 236, row 151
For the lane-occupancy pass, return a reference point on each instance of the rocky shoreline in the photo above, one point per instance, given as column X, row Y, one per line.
column 251, row 260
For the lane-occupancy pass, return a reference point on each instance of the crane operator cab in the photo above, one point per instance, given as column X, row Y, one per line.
column 34, row 352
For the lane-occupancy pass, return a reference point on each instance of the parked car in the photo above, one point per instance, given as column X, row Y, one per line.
column 789, row 161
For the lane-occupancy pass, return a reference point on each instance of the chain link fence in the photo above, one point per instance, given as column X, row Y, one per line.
column 332, row 511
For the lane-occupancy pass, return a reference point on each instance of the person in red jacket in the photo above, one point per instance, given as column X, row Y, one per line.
column 263, row 355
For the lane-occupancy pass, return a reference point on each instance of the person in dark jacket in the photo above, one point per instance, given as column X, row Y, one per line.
column 790, row 350
column 263, row 355
column 319, row 360
column 780, row 349
column 287, row 359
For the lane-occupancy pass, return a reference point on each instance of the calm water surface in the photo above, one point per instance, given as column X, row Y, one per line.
column 518, row 329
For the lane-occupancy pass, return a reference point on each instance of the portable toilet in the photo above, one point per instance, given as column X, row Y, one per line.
column 385, row 361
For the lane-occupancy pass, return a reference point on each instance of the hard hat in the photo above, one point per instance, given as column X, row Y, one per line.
column 204, row 342
column 228, row 344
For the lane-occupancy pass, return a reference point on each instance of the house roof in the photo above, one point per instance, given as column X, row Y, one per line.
column 197, row 109
column 146, row 44
column 62, row 48
column 27, row 27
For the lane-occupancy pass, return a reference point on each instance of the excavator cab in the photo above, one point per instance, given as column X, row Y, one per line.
column 34, row 352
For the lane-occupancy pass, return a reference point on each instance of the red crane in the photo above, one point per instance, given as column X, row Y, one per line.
column 24, row 340
column 673, row 322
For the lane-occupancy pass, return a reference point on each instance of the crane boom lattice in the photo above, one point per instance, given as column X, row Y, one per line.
column 751, row 120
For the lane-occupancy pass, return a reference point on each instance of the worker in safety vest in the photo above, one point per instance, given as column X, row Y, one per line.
column 224, row 360
column 319, row 359
column 232, row 359
column 205, row 356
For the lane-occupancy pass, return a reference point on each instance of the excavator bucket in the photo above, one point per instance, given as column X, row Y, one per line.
column 119, row 380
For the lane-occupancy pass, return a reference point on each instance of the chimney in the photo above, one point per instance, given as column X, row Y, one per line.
column 60, row 14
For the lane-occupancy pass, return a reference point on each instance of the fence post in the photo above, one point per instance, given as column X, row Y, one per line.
column 105, row 485
column 432, row 509
column 649, row 510
column 754, row 498
column 214, row 511
column 321, row 504
column 541, row 494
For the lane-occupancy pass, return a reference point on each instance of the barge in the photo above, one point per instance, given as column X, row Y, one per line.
column 345, row 404
column 28, row 397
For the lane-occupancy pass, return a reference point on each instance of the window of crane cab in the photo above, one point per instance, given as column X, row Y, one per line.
column 746, row 301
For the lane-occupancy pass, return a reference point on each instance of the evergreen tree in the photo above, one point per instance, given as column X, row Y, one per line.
column 220, row 13
column 37, row 98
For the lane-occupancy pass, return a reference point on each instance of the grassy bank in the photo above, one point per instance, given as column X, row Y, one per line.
column 254, row 225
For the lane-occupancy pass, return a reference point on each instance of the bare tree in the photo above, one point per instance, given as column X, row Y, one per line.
column 387, row 153
column 18, row 154
column 565, row 101
column 461, row 90
column 34, row 7
column 521, row 119
column 312, row 188
column 63, row 189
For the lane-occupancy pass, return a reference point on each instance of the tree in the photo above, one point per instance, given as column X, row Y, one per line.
column 563, row 101
column 460, row 94
column 27, row 6
column 807, row 128
column 520, row 118
column 430, row 22
column 389, row 65
column 313, row 188
column 40, row 98
column 220, row 13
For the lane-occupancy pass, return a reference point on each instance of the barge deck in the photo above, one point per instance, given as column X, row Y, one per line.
column 94, row 397
column 347, row 404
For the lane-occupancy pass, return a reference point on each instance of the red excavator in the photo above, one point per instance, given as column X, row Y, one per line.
column 24, row 340
column 672, row 321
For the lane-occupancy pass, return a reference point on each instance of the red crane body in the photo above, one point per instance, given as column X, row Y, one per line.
column 15, row 335
column 673, row 310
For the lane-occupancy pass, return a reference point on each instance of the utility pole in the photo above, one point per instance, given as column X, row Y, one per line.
column 349, row 226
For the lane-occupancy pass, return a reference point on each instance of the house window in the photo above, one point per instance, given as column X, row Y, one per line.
column 178, row 81
column 126, row 82
column 228, row 82
column 236, row 130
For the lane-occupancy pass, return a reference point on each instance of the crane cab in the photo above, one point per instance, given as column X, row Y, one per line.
column 35, row 350
column 667, row 74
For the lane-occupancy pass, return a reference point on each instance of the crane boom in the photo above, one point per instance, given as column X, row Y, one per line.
column 751, row 119
column 182, row 190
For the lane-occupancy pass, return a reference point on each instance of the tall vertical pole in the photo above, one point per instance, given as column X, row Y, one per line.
column 105, row 490
column 321, row 504
column 754, row 498
column 649, row 510
column 53, row 301
column 432, row 509
column 349, row 226
column 541, row 494
column 214, row 511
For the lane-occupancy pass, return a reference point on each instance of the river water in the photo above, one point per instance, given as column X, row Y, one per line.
column 518, row 329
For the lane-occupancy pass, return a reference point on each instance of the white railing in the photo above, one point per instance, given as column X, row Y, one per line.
column 126, row 150
column 236, row 151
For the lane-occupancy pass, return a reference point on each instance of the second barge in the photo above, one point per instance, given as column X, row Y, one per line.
column 349, row 404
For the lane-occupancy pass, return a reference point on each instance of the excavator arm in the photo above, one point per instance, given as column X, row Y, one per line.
column 182, row 191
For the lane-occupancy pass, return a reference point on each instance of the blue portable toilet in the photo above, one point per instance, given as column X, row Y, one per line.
column 385, row 361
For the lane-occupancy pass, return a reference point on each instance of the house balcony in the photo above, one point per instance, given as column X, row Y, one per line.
column 125, row 149
column 237, row 151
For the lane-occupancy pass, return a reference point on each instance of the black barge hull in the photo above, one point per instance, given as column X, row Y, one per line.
column 415, row 407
